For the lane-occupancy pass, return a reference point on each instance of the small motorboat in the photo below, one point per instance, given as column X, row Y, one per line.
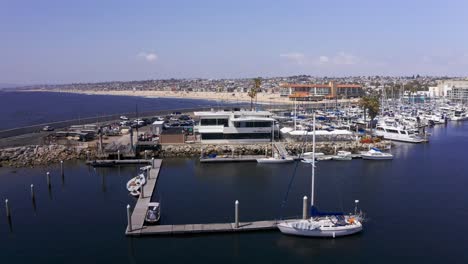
column 325, row 157
column 275, row 160
column 136, row 183
column 309, row 161
column 135, row 192
column 154, row 213
column 308, row 155
column 343, row 155
column 376, row 154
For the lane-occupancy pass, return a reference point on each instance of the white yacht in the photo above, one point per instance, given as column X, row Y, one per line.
column 459, row 115
column 376, row 154
column 398, row 134
column 322, row 224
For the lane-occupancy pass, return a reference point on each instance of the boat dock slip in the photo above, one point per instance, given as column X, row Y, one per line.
column 205, row 228
column 139, row 212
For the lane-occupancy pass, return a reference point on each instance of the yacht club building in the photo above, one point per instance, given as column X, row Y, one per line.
column 234, row 126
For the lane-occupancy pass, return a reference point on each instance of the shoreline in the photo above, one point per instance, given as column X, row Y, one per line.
column 263, row 98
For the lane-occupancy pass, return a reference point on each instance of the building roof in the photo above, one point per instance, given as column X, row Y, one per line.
column 314, row 85
column 348, row 86
column 229, row 113
column 300, row 85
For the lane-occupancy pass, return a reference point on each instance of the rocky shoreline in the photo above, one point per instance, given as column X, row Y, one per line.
column 38, row 155
column 293, row 149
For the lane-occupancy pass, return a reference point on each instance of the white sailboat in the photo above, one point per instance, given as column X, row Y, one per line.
column 322, row 224
column 274, row 157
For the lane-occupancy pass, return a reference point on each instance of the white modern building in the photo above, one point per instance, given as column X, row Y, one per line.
column 220, row 127
column 455, row 90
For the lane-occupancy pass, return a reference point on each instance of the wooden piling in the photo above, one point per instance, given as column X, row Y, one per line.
column 236, row 220
column 305, row 205
column 129, row 219
column 33, row 196
column 48, row 179
column 7, row 208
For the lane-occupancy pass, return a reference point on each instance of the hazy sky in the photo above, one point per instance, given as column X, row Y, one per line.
column 95, row 40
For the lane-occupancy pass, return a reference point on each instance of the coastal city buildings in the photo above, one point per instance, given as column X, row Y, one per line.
column 455, row 90
column 315, row 92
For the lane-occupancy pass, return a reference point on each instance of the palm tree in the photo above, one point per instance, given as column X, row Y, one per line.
column 371, row 104
column 253, row 91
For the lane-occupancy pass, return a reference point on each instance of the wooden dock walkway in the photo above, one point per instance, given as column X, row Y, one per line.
column 139, row 212
column 104, row 163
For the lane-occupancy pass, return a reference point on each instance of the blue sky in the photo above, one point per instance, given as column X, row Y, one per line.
column 87, row 41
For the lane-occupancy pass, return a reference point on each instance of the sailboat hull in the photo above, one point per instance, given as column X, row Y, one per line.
column 288, row 229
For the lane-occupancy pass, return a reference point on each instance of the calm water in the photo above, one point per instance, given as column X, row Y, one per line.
column 30, row 108
column 416, row 205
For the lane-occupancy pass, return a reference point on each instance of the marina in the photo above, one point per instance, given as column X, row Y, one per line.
column 197, row 198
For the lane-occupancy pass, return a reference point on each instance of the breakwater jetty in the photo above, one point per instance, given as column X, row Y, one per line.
column 36, row 155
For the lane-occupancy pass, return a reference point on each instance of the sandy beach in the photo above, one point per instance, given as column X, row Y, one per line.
column 264, row 98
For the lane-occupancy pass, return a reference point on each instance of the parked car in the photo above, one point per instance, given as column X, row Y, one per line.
column 47, row 128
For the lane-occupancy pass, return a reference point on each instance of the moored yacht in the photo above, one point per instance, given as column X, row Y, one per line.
column 398, row 134
column 322, row 224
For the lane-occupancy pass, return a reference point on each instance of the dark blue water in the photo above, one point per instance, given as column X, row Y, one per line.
column 19, row 109
column 416, row 206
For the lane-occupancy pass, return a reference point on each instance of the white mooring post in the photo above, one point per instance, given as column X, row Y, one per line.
column 142, row 194
column 7, row 208
column 305, row 204
column 61, row 167
column 48, row 179
column 118, row 154
column 146, row 154
column 33, row 197
column 237, row 214
column 152, row 163
column 129, row 218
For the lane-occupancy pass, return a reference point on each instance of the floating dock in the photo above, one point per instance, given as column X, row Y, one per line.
column 205, row 228
column 108, row 163
column 141, row 207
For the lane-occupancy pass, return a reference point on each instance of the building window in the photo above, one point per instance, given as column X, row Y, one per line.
column 214, row 122
column 218, row 136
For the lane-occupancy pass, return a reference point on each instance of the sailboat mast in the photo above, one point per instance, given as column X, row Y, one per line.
column 295, row 114
column 272, row 137
column 313, row 163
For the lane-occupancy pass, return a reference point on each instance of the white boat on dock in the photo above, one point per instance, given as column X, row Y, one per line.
column 153, row 215
column 376, row 154
column 134, row 184
column 343, row 155
column 275, row 159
